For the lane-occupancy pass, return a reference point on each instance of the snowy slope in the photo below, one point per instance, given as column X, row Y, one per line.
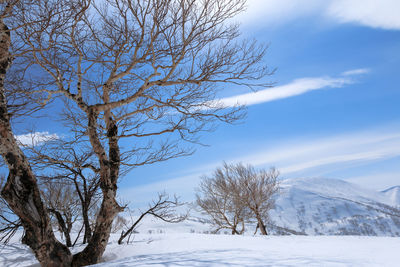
column 313, row 206
column 226, row 250
column 334, row 207
column 394, row 194
column 305, row 206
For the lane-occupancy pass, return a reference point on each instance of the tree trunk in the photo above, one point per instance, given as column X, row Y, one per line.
column 261, row 225
column 21, row 190
column 86, row 223
column 66, row 230
column 109, row 172
column 98, row 242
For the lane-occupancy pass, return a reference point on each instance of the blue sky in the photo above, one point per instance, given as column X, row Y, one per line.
column 334, row 111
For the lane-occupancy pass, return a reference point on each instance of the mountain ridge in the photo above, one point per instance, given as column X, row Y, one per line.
column 322, row 206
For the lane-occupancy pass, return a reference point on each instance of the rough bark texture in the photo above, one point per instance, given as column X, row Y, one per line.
column 21, row 190
column 109, row 172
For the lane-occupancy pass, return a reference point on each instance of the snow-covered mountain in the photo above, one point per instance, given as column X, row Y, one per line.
column 313, row 206
column 317, row 206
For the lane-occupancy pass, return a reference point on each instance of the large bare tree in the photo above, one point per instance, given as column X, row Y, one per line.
column 143, row 70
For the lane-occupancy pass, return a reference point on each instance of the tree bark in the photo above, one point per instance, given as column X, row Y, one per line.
column 21, row 190
column 66, row 230
column 109, row 172
column 261, row 225
column 86, row 223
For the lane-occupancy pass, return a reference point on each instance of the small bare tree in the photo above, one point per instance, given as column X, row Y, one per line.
column 238, row 193
column 163, row 208
column 219, row 197
column 74, row 163
column 258, row 188
column 62, row 201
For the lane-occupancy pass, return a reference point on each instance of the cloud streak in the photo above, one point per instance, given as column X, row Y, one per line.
column 300, row 157
column 341, row 151
column 295, row 88
column 356, row 72
column 371, row 13
column 382, row 14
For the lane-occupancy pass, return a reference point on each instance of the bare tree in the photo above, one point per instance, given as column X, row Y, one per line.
column 237, row 193
column 219, row 197
column 62, row 201
column 145, row 70
column 258, row 188
column 73, row 162
column 164, row 208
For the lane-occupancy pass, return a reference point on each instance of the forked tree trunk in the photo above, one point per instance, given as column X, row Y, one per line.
column 21, row 190
column 109, row 172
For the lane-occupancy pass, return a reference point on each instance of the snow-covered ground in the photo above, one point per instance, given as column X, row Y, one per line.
column 190, row 249
column 307, row 206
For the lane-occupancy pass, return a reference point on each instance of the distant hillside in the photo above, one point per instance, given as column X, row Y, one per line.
column 313, row 206
column 334, row 207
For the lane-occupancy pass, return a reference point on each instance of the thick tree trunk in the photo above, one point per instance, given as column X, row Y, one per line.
column 98, row 242
column 21, row 190
column 109, row 172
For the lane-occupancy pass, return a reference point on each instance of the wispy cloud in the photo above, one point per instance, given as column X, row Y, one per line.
column 272, row 12
column 356, row 72
column 295, row 88
column 371, row 13
column 35, row 138
column 345, row 150
column 377, row 14
column 300, row 157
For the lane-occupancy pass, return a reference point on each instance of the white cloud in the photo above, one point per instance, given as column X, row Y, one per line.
column 261, row 12
column 373, row 13
column 356, row 72
column 344, row 150
column 35, row 138
column 297, row 87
